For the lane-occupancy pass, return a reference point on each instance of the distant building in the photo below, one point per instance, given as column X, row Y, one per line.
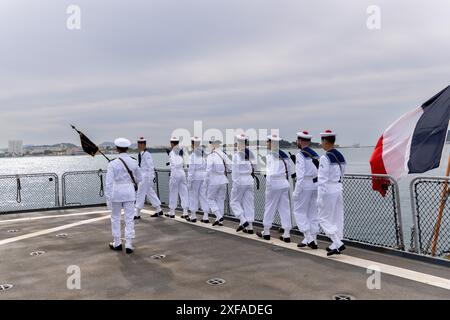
column 15, row 147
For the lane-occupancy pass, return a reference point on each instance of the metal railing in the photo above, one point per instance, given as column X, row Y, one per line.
column 25, row 192
column 369, row 217
column 83, row 188
column 431, row 215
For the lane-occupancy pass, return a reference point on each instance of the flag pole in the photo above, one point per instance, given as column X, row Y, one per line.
column 444, row 195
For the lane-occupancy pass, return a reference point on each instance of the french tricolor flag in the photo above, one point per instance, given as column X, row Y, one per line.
column 413, row 143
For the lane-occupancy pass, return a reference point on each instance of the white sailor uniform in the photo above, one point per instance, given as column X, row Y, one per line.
column 120, row 193
column 177, row 182
column 330, row 197
column 279, row 168
column 197, row 185
column 305, row 195
column 146, row 186
column 242, row 193
column 216, row 180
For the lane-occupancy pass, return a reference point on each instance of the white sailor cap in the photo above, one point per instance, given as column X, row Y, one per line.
column 122, row 143
column 196, row 139
column 142, row 139
column 304, row 135
column 273, row 137
column 242, row 137
column 174, row 139
column 213, row 140
column 327, row 133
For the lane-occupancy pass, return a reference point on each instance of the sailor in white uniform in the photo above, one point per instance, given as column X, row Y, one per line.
column 217, row 165
column 242, row 193
column 278, row 169
column 146, row 187
column 177, row 181
column 330, row 197
column 122, row 179
column 305, row 194
column 196, row 182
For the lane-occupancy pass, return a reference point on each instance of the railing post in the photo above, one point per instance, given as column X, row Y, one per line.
column 412, row 185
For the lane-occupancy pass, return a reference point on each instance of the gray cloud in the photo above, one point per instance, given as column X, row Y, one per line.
column 149, row 67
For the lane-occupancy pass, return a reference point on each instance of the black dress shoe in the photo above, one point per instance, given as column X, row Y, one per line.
column 118, row 248
column 155, row 215
column 188, row 219
column 333, row 252
column 329, row 249
column 248, row 231
column 216, row 223
column 166, row 215
column 184, row 216
column 242, row 227
column 205, row 221
column 301, row 245
column 265, row 237
column 128, row 251
column 161, row 213
column 193, row 220
column 281, row 230
column 287, row 240
column 221, row 219
column 342, row 248
column 313, row 245
column 137, row 217
column 172, row 217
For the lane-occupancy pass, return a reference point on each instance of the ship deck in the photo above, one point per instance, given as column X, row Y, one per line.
column 194, row 253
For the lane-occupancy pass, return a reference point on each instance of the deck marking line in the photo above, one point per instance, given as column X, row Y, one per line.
column 354, row 261
column 54, row 216
column 51, row 230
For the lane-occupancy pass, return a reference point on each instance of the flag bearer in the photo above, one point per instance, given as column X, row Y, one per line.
column 145, row 162
column 242, row 193
column 217, row 180
column 278, row 169
column 122, row 179
column 177, row 181
column 196, row 181
column 330, row 198
column 305, row 194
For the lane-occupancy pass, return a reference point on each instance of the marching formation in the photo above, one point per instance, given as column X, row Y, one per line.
column 317, row 199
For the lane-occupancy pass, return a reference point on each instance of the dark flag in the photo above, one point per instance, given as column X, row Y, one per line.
column 88, row 146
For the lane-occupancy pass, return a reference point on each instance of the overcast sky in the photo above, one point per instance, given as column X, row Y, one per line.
column 149, row 67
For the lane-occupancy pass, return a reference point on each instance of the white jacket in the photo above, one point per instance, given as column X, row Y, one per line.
column 276, row 171
column 147, row 165
column 176, row 163
column 215, row 168
column 305, row 171
column 119, row 186
column 241, row 169
column 197, row 166
column 330, row 176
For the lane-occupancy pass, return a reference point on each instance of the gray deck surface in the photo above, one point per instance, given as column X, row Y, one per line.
column 252, row 269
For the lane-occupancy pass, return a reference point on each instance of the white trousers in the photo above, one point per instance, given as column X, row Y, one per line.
column 216, row 195
column 197, row 199
column 277, row 200
column 146, row 190
column 242, row 202
column 331, row 216
column 116, row 208
column 178, row 187
column 305, row 213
